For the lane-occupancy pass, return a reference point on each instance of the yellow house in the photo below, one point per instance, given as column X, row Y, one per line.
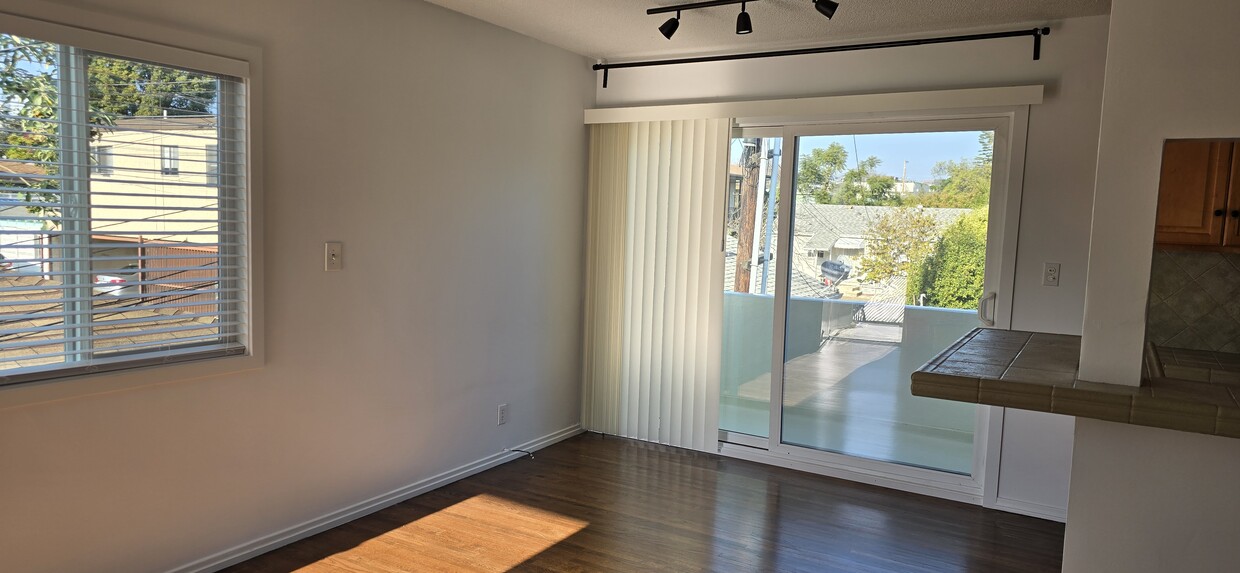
column 152, row 176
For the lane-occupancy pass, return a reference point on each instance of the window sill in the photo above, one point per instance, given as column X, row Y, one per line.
column 56, row 389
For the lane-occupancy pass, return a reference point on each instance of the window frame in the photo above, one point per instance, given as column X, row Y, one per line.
column 102, row 160
column 1011, row 125
column 120, row 37
column 212, row 163
column 170, row 159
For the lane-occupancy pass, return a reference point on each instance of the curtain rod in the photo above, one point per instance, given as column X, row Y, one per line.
column 1037, row 34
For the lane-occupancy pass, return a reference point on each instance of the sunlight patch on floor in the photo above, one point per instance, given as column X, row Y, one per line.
column 484, row 533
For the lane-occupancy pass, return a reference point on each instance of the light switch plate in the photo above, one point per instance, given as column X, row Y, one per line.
column 1050, row 274
column 333, row 256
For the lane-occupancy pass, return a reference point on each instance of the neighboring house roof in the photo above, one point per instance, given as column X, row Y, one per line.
column 9, row 166
column 850, row 243
column 13, row 303
column 802, row 285
column 160, row 123
column 820, row 227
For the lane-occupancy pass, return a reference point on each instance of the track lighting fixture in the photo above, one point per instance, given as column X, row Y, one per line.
column 743, row 24
column 826, row 7
column 668, row 29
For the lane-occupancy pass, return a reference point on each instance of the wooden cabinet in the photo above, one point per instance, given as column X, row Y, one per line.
column 1199, row 194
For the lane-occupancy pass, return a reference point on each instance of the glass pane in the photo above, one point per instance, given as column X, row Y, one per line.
column 893, row 226
column 749, row 285
column 32, row 185
column 155, row 229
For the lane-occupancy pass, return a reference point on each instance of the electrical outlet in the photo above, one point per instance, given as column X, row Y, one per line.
column 1050, row 274
column 503, row 415
column 333, row 256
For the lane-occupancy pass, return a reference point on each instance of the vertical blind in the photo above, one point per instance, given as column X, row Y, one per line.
column 122, row 212
column 653, row 308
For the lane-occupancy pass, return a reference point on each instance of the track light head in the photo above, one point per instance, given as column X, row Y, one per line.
column 826, row 7
column 743, row 23
column 668, row 29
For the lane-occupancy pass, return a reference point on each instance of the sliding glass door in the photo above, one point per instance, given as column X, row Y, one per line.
column 749, row 279
column 888, row 247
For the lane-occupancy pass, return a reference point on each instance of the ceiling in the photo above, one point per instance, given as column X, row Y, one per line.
column 618, row 30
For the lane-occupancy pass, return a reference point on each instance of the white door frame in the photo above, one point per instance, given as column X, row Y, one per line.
column 1010, row 125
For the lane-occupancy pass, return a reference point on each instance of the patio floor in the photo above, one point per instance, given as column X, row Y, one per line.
column 852, row 397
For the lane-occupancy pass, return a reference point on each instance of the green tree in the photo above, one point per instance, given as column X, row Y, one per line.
column 128, row 88
column 963, row 184
column 819, row 172
column 952, row 275
column 987, row 152
column 898, row 242
column 960, row 184
column 824, row 174
column 862, row 185
column 30, row 97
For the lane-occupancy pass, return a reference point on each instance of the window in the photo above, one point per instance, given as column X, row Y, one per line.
column 102, row 160
column 170, row 159
column 130, row 269
column 213, row 164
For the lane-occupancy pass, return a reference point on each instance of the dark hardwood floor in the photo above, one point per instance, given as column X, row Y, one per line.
column 595, row 503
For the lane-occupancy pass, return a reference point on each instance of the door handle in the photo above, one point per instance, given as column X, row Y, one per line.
column 1218, row 212
column 981, row 309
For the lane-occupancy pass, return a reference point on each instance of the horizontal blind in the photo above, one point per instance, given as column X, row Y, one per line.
column 122, row 212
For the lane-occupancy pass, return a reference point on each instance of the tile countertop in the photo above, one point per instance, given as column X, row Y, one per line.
column 1035, row 371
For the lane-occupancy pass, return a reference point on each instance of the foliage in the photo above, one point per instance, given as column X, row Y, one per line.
column 824, row 174
column 960, row 184
column 30, row 99
column 952, row 276
column 861, row 185
column 819, row 171
column 899, row 241
column 127, row 88
column 965, row 183
column 987, row 153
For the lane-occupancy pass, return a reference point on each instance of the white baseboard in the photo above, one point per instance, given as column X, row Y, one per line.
column 1032, row 509
column 245, row 551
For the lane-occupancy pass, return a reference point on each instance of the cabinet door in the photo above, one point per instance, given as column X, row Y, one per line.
column 1231, row 237
column 1192, row 192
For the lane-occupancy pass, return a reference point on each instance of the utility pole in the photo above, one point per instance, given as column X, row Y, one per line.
column 757, row 256
column 749, row 204
column 904, row 179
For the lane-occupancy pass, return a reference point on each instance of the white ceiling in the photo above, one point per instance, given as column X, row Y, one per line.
column 618, row 30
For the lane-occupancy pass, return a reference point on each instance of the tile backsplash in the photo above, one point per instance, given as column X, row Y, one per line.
column 1194, row 301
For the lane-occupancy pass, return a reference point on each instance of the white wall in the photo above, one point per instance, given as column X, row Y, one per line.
column 1146, row 499
column 1059, row 173
column 449, row 156
column 1151, row 500
column 1168, row 76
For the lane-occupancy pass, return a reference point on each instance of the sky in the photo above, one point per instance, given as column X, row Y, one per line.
column 921, row 150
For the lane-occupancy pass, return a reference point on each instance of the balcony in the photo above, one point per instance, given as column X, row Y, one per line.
column 846, row 378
